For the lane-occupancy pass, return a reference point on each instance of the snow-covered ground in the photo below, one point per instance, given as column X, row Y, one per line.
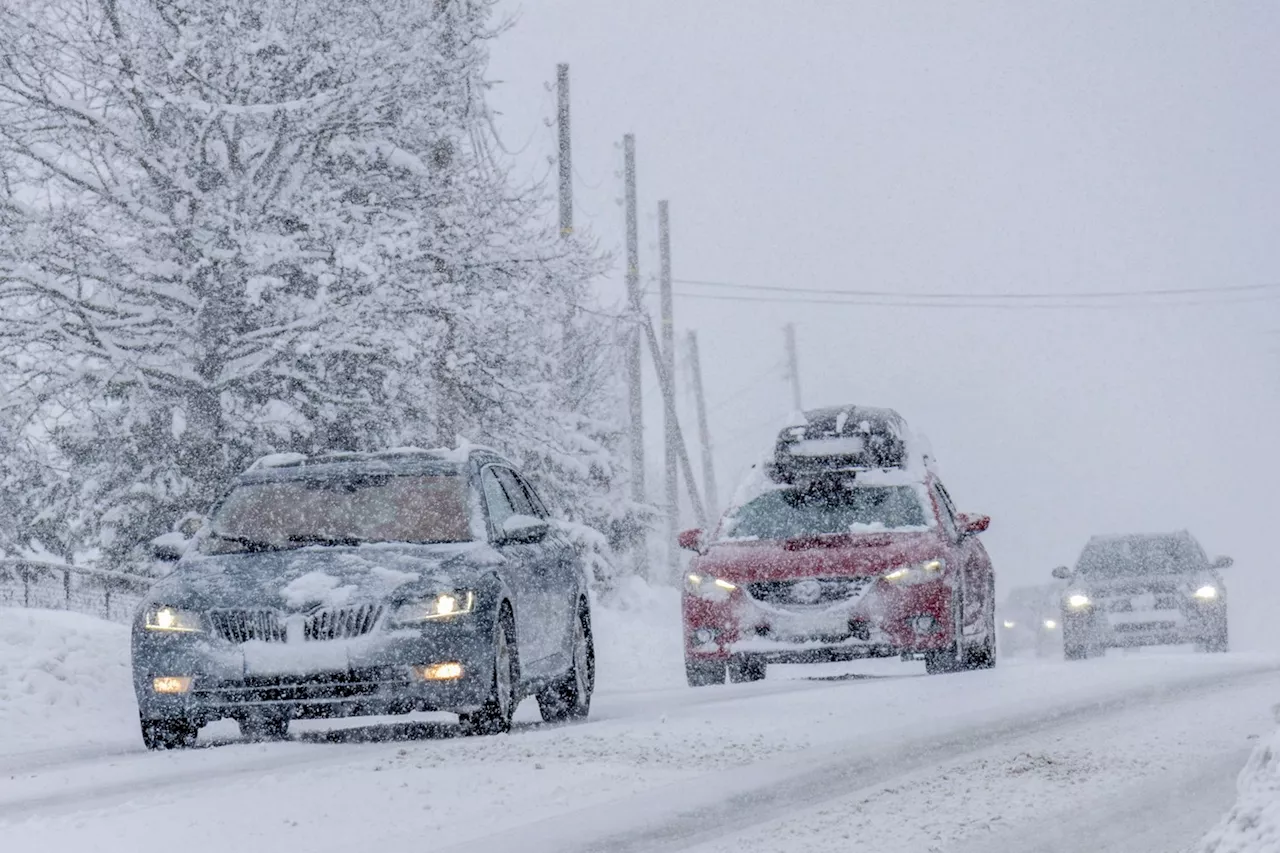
column 1129, row 753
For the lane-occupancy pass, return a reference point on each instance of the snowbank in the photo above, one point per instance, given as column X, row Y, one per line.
column 64, row 679
column 638, row 638
column 1253, row 824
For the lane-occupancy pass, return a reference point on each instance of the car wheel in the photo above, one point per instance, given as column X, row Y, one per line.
column 264, row 727
column 1216, row 644
column 746, row 669
column 939, row 661
column 179, row 733
column 703, row 673
column 570, row 698
column 494, row 716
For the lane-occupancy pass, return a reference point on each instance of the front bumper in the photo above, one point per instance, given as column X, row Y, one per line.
column 368, row 675
column 1194, row 624
column 886, row 621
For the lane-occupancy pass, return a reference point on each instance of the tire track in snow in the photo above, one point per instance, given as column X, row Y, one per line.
column 679, row 816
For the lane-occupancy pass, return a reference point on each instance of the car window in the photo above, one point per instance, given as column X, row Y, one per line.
column 516, row 495
column 539, row 508
column 827, row 509
column 1127, row 556
column 946, row 510
column 495, row 498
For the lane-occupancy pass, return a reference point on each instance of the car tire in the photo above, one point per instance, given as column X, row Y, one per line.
column 746, row 669
column 173, row 733
column 570, row 697
column 264, row 727
column 1216, row 644
column 940, row 661
column 494, row 716
column 703, row 673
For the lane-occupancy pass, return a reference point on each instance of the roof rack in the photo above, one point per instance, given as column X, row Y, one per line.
column 840, row 440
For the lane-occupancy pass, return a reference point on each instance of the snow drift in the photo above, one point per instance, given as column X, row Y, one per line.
column 64, row 680
column 1253, row 824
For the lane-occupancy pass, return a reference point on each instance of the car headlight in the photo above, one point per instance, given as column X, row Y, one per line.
column 174, row 620
column 1077, row 600
column 1009, row 623
column 1208, row 592
column 706, row 586
column 442, row 606
column 919, row 573
column 1050, row 624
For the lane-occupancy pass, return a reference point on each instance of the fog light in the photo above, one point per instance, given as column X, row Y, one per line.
column 702, row 636
column 439, row 671
column 924, row 624
column 172, row 684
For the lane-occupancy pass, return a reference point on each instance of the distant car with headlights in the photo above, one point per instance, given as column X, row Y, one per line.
column 1029, row 623
column 351, row 584
column 1143, row 590
column 845, row 545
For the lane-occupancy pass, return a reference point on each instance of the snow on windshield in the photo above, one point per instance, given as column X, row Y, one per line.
column 828, row 508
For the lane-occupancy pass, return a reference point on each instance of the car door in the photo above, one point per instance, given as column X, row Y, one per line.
column 518, row 556
column 523, row 573
column 976, row 578
column 561, row 582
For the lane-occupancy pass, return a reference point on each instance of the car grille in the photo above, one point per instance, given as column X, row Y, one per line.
column 271, row 626
column 1131, row 627
column 318, row 687
column 808, row 592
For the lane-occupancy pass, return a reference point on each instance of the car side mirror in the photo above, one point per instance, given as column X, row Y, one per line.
column 168, row 547
column 690, row 540
column 1062, row 573
column 523, row 528
column 1222, row 563
column 971, row 525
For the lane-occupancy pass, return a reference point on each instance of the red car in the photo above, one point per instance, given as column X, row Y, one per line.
column 849, row 548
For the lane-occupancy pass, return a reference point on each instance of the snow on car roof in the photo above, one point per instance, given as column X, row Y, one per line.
column 460, row 453
column 848, row 438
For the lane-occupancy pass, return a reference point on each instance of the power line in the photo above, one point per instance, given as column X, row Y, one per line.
column 883, row 302
column 1114, row 294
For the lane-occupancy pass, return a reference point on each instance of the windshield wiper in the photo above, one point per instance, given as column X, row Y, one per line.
column 335, row 541
column 249, row 544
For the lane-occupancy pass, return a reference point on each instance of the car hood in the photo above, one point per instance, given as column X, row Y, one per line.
column 303, row 579
column 1138, row 584
column 853, row 555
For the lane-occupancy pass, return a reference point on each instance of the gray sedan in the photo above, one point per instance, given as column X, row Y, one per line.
column 359, row 584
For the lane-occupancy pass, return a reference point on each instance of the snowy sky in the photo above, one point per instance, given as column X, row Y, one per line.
column 971, row 147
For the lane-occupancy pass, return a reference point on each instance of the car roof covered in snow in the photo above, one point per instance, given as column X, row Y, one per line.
column 399, row 459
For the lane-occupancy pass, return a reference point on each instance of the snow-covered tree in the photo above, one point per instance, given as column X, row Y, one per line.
column 259, row 225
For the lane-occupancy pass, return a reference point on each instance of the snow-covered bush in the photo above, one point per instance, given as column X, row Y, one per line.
column 255, row 226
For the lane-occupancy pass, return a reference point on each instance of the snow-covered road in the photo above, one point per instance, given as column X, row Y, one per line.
column 1141, row 753
column 1130, row 753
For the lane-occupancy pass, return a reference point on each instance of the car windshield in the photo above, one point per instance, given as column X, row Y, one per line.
column 342, row 510
column 1116, row 558
column 827, row 509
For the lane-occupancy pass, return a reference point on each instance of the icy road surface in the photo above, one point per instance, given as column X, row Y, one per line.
column 1133, row 753
column 1125, row 755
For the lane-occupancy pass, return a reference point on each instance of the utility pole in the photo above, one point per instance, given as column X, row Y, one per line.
column 669, row 371
column 635, row 396
column 704, row 433
column 669, row 406
column 566, row 158
column 793, row 365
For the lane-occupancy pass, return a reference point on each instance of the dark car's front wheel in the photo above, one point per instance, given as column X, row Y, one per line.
column 494, row 716
column 570, row 698
column 173, row 733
